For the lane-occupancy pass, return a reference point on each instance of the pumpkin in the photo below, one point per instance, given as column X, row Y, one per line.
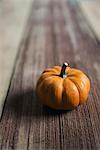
column 63, row 88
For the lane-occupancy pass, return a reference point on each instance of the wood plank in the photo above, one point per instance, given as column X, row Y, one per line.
column 13, row 18
column 28, row 121
column 91, row 11
column 86, row 52
column 55, row 33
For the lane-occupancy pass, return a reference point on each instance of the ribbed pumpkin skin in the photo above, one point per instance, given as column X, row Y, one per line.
column 63, row 93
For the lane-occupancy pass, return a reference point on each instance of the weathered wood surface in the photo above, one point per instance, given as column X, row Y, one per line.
column 55, row 32
column 13, row 18
column 91, row 10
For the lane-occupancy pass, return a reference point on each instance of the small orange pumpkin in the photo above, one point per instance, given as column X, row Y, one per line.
column 63, row 88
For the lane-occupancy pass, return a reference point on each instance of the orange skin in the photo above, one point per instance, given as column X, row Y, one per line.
column 63, row 93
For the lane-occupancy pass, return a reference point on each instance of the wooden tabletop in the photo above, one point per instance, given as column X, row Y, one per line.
column 56, row 31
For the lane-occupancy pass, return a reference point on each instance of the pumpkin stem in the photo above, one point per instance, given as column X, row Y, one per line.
column 63, row 73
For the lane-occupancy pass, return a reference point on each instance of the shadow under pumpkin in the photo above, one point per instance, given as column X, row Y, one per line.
column 27, row 104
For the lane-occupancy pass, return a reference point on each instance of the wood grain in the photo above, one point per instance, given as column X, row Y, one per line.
column 56, row 32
